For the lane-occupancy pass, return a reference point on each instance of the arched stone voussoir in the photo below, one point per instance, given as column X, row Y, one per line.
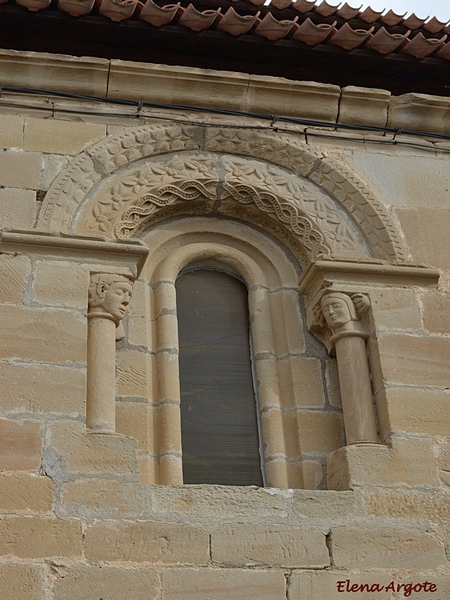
column 357, row 211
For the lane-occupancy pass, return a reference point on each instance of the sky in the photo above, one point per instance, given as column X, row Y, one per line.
column 422, row 8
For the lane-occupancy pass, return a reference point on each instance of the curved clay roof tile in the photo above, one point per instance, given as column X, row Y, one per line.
column 304, row 5
column 257, row 2
column 280, row 3
column 444, row 52
column 196, row 20
column 421, row 47
column 34, row 5
column 312, row 34
column 326, row 9
column 385, row 42
column 158, row 15
column 413, row 22
column 348, row 12
column 369, row 16
column 434, row 26
column 117, row 10
column 75, row 8
column 391, row 18
column 349, row 38
column 272, row 29
column 236, row 24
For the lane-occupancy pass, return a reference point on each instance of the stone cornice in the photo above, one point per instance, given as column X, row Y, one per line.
column 223, row 89
column 124, row 256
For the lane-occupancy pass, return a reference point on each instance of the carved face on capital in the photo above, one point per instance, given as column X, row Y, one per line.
column 336, row 310
column 110, row 294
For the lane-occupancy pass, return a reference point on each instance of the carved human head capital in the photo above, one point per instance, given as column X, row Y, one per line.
column 110, row 294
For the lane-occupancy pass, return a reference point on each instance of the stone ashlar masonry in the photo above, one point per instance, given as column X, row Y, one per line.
column 79, row 519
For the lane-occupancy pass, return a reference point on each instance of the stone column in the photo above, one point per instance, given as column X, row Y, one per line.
column 109, row 296
column 348, row 339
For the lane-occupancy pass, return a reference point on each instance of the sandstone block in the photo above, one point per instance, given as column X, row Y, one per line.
column 111, row 583
column 444, row 463
column 320, row 431
column 404, row 180
column 21, row 581
column 397, row 308
column 38, row 388
column 132, row 373
column 361, row 105
column 53, row 164
column 313, row 476
column 241, row 545
column 56, row 136
column 102, row 498
column 88, row 454
column 409, row 461
column 301, row 379
column 415, row 360
column 20, row 169
column 40, row 70
column 408, row 503
column 332, row 383
column 32, row 537
column 61, row 284
column 420, row 112
column 136, row 420
column 20, row 446
column 47, row 335
column 435, row 306
column 14, row 271
column 17, row 208
column 312, row 585
column 425, row 230
column 326, row 504
column 25, row 494
column 145, row 541
column 419, row 411
column 385, row 548
column 139, row 315
column 223, row 584
column 305, row 99
column 11, row 131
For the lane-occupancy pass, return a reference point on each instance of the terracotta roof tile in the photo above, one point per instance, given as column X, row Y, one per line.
column 307, row 22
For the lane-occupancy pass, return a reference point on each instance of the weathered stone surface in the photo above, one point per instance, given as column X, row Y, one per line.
column 395, row 308
column 53, row 164
column 59, row 283
column 47, row 335
column 320, row 431
column 415, row 360
column 17, row 208
column 132, row 373
column 302, row 376
column 21, row 581
column 385, row 548
column 92, row 454
column 407, row 503
column 110, row 583
column 326, row 504
column 103, row 498
column 14, row 271
column 435, row 306
column 31, row 537
column 444, row 463
column 405, row 180
column 20, row 446
column 57, row 136
column 25, row 494
column 419, row 411
column 241, row 545
column 409, row 461
column 136, row 419
column 42, row 388
column 11, row 131
column 358, row 105
column 425, row 230
column 20, row 169
column 312, row 585
column 223, row 584
column 145, row 541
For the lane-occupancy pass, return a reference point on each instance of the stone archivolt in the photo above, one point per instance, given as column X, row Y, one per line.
column 345, row 220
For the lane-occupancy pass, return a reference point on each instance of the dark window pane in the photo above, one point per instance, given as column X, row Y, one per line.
column 219, row 426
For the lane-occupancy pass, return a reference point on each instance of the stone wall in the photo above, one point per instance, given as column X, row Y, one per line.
column 81, row 516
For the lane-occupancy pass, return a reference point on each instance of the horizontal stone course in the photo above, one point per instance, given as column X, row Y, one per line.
column 17, row 208
column 19, row 581
column 59, row 136
column 32, row 537
column 20, row 169
column 170, row 543
column 22, row 493
column 223, row 584
column 20, row 446
column 241, row 545
column 14, row 271
column 60, row 283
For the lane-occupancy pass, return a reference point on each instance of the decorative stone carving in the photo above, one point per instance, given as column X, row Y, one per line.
column 341, row 314
column 81, row 179
column 109, row 296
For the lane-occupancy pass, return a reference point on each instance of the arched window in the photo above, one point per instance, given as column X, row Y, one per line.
column 219, row 417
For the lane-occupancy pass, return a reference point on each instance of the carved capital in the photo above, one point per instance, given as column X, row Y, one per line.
column 109, row 296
